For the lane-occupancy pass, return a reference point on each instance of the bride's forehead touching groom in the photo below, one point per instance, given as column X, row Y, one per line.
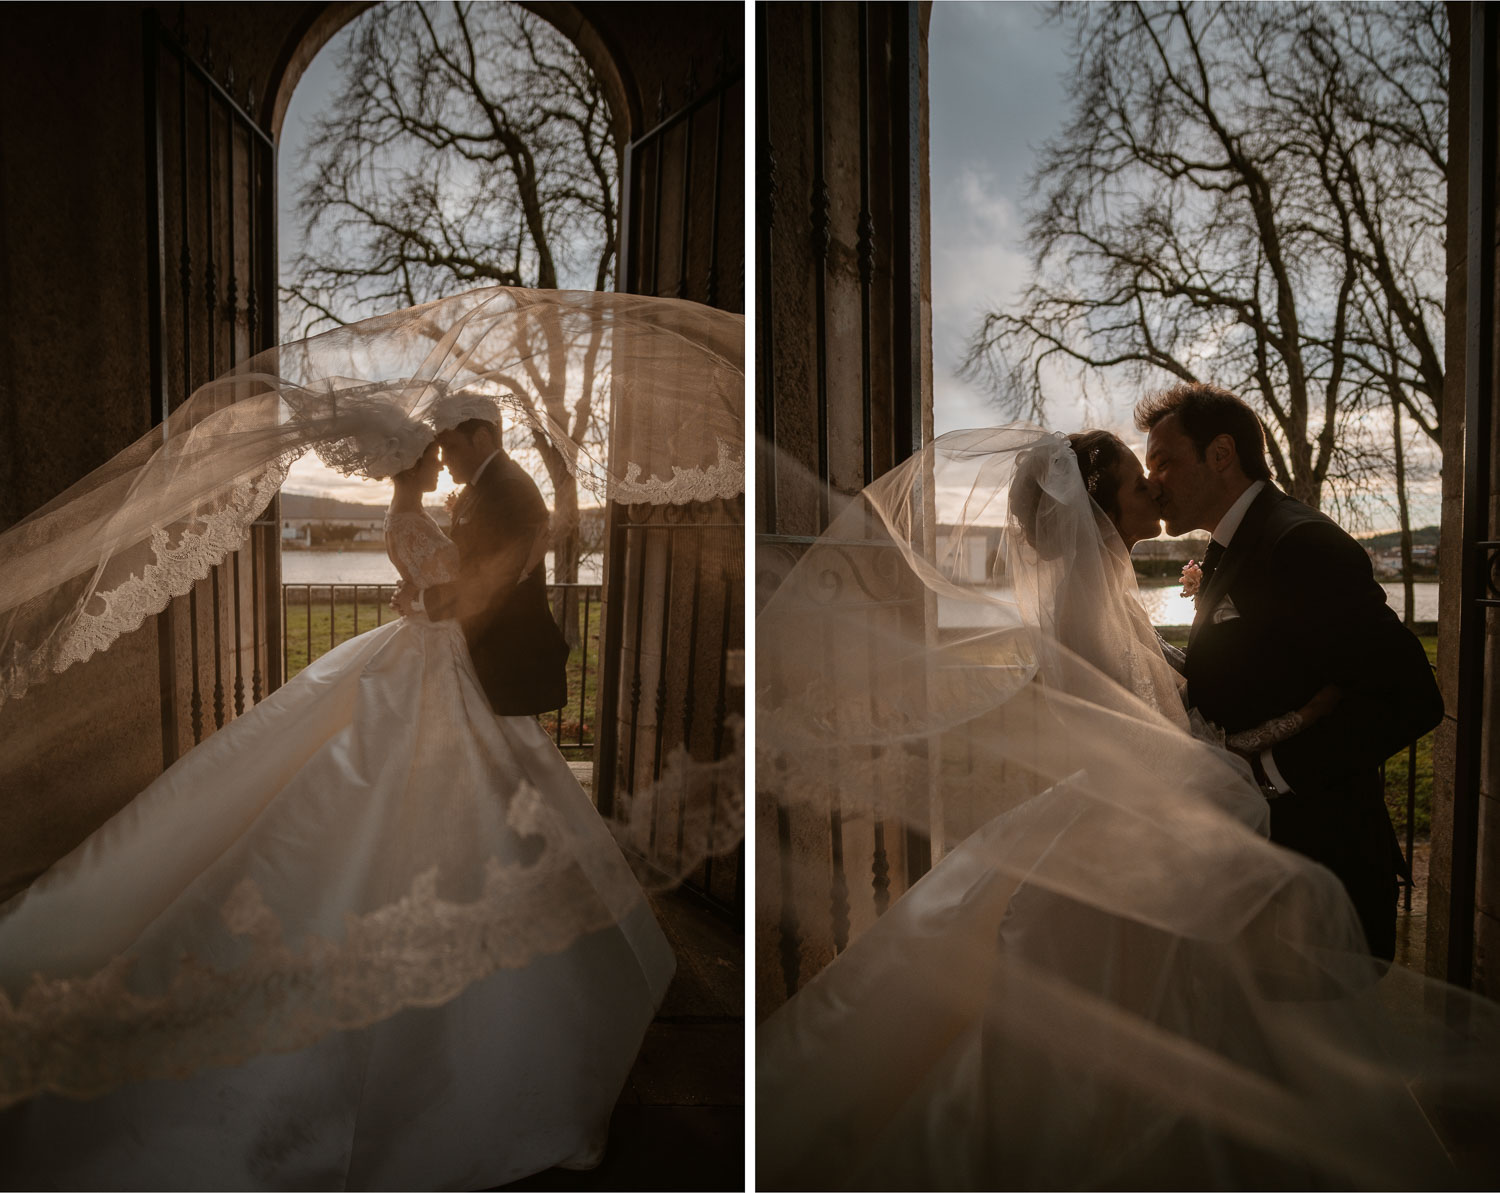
column 1292, row 645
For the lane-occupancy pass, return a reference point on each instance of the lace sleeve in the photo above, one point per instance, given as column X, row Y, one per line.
column 422, row 553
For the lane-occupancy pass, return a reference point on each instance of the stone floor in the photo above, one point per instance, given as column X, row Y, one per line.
column 680, row 1122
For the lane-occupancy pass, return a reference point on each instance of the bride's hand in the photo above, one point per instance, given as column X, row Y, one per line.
column 402, row 600
column 1251, row 742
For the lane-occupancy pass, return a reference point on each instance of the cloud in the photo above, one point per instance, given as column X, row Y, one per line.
column 311, row 475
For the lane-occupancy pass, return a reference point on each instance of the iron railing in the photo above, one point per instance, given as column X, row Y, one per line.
column 318, row 617
column 209, row 173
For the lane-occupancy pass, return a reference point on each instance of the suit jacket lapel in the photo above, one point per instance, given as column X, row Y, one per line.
column 1234, row 557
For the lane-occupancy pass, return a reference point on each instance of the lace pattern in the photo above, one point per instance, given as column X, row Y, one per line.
column 82, row 1037
column 723, row 479
column 420, row 550
column 171, row 571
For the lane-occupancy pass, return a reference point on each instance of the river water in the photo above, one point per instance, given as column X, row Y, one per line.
column 1167, row 605
column 372, row 567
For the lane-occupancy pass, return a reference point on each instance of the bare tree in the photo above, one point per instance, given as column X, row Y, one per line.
column 471, row 145
column 1253, row 194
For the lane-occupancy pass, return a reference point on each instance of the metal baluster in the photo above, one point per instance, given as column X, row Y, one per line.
column 210, row 302
column 687, row 184
column 766, row 406
column 822, row 238
column 721, row 714
column 689, row 695
column 635, row 681
column 583, row 683
column 661, row 671
column 661, row 112
column 158, row 402
column 1411, row 819
column 880, row 870
column 838, row 894
column 234, row 357
column 711, row 279
column 866, row 241
column 186, row 266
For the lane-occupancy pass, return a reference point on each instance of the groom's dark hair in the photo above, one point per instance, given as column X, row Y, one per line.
column 472, row 426
column 1205, row 412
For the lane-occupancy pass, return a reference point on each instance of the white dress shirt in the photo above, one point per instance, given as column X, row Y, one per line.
column 1235, row 514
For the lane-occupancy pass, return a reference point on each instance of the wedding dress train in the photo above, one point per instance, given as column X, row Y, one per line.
column 368, row 837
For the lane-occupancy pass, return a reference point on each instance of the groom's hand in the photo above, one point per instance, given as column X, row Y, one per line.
column 403, row 598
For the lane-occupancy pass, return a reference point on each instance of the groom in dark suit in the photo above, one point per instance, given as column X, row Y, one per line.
column 500, row 597
column 1293, row 649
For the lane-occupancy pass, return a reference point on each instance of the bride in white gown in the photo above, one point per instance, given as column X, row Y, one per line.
column 1109, row 978
column 367, row 935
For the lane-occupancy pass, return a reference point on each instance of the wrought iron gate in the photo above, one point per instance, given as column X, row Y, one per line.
column 674, row 576
column 211, row 184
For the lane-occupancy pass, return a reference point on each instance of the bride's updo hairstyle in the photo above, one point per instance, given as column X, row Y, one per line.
column 1098, row 455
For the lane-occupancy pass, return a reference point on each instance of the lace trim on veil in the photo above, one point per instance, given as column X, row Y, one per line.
column 724, row 479
column 171, row 572
column 84, row 1036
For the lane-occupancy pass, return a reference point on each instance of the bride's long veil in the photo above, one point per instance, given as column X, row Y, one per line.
column 664, row 378
column 1108, row 976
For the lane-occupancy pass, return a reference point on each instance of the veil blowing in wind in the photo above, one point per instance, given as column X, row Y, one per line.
column 243, row 953
column 1108, row 976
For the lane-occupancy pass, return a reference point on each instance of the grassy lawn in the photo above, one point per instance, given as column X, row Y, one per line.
column 1396, row 767
column 576, row 719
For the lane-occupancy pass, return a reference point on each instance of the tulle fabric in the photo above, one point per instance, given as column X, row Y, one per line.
column 369, row 839
column 642, row 397
column 1109, row 977
column 368, row 842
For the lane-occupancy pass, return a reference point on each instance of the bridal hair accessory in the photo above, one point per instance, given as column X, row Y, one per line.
column 449, row 411
column 379, row 439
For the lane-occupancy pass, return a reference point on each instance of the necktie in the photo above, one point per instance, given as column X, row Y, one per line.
column 1211, row 559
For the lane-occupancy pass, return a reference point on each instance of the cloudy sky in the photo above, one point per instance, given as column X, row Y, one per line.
column 997, row 89
column 997, row 92
column 314, row 95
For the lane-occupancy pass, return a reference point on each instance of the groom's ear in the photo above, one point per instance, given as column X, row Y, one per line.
column 1221, row 454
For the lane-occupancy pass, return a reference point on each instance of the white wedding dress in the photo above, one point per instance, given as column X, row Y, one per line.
column 368, row 838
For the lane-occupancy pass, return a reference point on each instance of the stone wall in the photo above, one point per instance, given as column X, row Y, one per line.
column 1486, row 967
column 844, row 386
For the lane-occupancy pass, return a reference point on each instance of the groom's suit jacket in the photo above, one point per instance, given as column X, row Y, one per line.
column 1294, row 606
column 517, row 649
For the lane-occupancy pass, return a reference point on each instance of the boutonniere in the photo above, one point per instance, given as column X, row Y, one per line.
column 450, row 503
column 1192, row 578
column 462, row 500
